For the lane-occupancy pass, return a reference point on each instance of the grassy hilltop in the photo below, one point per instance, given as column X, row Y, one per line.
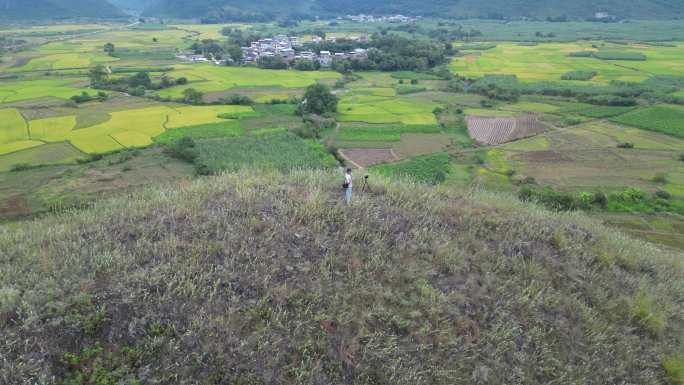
column 264, row 278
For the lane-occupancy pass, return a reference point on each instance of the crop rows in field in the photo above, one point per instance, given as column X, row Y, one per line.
column 500, row 130
column 668, row 119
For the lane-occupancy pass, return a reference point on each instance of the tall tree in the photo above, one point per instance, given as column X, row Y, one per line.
column 99, row 75
column 109, row 48
column 319, row 100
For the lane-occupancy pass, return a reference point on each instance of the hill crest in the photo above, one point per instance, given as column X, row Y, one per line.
column 260, row 277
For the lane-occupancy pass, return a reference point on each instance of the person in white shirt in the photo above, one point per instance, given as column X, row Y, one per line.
column 348, row 184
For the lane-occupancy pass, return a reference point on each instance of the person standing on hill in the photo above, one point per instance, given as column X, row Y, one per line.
column 348, row 185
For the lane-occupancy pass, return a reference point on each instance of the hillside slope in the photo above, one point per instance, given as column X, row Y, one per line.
column 264, row 278
column 269, row 9
column 56, row 9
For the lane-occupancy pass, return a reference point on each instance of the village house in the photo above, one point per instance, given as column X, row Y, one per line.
column 286, row 47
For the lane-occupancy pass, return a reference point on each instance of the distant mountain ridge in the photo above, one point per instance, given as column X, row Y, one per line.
column 56, row 9
column 538, row 9
column 267, row 10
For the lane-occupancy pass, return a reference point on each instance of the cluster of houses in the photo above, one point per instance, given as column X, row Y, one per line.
column 382, row 19
column 290, row 49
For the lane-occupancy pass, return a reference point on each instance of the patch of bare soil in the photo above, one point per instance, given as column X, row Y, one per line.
column 544, row 156
column 369, row 156
column 14, row 206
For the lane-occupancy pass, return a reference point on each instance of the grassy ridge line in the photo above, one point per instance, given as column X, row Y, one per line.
column 409, row 286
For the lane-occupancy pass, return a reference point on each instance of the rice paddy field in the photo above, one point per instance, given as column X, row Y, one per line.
column 550, row 61
column 211, row 78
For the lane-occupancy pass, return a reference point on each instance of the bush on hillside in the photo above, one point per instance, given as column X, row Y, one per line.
column 183, row 149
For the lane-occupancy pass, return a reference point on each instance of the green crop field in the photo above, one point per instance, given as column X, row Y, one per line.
column 13, row 91
column 211, row 78
column 370, row 109
column 668, row 119
column 280, row 150
column 550, row 61
column 66, row 61
column 428, row 169
column 382, row 133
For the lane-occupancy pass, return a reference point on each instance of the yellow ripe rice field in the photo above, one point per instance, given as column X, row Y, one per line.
column 12, row 126
column 125, row 129
column 8, row 148
column 189, row 116
column 52, row 129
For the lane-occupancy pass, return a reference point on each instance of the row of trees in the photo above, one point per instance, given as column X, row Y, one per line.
column 136, row 84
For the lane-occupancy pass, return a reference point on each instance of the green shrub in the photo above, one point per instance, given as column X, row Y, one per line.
column 625, row 145
column 549, row 198
column 660, row 178
column 579, row 75
column 619, row 55
column 674, row 368
column 647, row 313
column 662, row 194
column 407, row 90
column 183, row 149
column 21, row 167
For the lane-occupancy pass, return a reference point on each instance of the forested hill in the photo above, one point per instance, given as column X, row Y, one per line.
column 55, row 9
column 539, row 9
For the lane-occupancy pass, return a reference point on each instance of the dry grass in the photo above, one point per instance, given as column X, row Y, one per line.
column 265, row 278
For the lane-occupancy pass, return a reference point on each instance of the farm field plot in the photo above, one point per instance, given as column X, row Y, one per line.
column 209, row 31
column 282, row 151
column 65, row 61
column 492, row 131
column 190, row 116
column 211, row 78
column 12, row 126
column 587, row 157
column 381, row 132
column 123, row 129
column 549, row 61
column 668, row 119
column 14, row 91
column 51, row 153
column 137, row 128
column 364, row 157
column 386, row 111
